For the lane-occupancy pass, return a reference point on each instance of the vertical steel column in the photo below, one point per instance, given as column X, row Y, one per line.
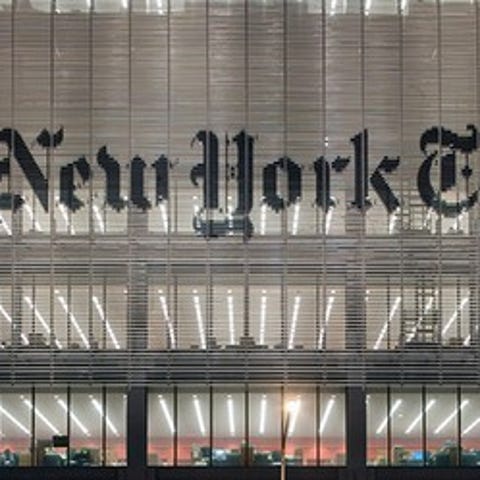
column 356, row 431
column 137, row 433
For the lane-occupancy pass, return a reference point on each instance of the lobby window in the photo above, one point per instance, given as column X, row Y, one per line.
column 377, row 426
column 265, row 404
column 331, row 426
column 301, row 440
column 16, row 428
column 442, row 427
column 228, row 448
column 194, row 426
column 161, row 426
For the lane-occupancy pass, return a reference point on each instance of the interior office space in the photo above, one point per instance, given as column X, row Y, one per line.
column 239, row 238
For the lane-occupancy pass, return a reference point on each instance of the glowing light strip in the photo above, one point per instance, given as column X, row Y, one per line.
column 328, row 312
column 160, row 7
column 231, row 318
column 450, row 417
column 328, row 220
column 471, row 426
column 263, row 318
column 74, row 321
column 296, row 215
column 333, row 7
column 41, row 416
column 98, row 217
column 166, row 413
column 391, row 223
column 69, row 225
column 5, row 225
column 429, row 405
column 263, row 219
column 107, row 323
column 263, row 414
column 198, row 312
column 163, row 212
column 29, row 210
column 9, row 320
column 198, row 411
column 394, row 408
column 293, row 326
column 368, row 6
column 326, row 414
column 454, row 316
column 74, row 417
column 20, row 425
column 387, row 323
column 294, row 409
column 99, row 409
column 171, row 330
column 231, row 418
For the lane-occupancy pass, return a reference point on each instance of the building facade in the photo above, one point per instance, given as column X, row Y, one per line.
column 239, row 232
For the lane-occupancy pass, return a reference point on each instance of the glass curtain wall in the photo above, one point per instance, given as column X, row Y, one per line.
column 202, row 426
column 61, row 427
column 423, row 427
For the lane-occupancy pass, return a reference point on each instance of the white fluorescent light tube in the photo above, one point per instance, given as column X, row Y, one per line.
column 41, row 416
column 163, row 212
column 263, row 218
column 20, row 425
column 166, row 413
column 74, row 417
column 454, row 316
column 231, row 418
column 9, row 320
column 471, row 426
column 387, row 323
column 198, row 411
column 328, row 220
column 391, row 223
column 328, row 312
column 429, row 405
column 368, row 6
column 295, row 408
column 5, row 225
column 160, row 7
column 69, row 226
column 99, row 409
column 450, row 417
column 107, row 323
column 171, row 331
column 74, row 320
column 263, row 414
column 231, row 319
column 29, row 210
column 263, row 318
column 198, row 313
column 326, row 414
column 394, row 408
column 466, row 342
column 98, row 217
column 293, row 326
column 333, row 7
column 296, row 215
